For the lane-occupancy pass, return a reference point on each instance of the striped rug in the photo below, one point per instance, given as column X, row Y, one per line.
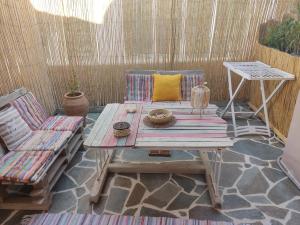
column 89, row 219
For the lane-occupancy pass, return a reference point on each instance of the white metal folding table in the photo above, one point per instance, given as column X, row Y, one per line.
column 254, row 71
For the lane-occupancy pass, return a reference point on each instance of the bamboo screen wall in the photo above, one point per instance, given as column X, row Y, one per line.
column 44, row 41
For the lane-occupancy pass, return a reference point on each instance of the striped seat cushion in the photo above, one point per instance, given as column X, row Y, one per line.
column 140, row 86
column 45, row 140
column 89, row 219
column 23, row 166
column 31, row 110
column 62, row 123
column 13, row 129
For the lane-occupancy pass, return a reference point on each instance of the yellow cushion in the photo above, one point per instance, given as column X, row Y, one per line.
column 166, row 87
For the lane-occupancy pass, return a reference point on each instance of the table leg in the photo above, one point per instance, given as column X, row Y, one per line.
column 263, row 96
column 101, row 175
column 212, row 174
column 278, row 87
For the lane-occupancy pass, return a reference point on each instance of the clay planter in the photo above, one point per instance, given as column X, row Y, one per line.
column 75, row 104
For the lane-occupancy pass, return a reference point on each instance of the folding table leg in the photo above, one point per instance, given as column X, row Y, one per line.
column 263, row 96
column 231, row 102
column 278, row 87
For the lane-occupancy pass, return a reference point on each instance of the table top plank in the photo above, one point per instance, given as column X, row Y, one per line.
column 100, row 127
column 191, row 129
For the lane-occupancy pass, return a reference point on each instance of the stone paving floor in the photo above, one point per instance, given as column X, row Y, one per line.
column 255, row 189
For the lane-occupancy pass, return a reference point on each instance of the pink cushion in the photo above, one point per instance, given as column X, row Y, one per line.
column 62, row 123
column 45, row 140
column 31, row 110
column 23, row 166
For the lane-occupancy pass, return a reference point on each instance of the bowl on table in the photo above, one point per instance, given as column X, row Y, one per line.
column 160, row 116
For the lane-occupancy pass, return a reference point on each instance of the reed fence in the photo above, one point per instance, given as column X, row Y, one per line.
column 44, row 42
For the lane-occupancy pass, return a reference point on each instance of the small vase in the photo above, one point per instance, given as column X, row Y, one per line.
column 200, row 96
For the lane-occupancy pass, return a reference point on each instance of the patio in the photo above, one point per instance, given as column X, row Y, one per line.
column 91, row 88
column 252, row 160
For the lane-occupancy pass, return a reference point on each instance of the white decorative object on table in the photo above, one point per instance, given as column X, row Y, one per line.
column 200, row 96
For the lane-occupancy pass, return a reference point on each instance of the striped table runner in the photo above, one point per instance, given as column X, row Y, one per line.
column 89, row 219
column 190, row 130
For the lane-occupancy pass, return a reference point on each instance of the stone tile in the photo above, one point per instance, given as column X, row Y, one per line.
column 64, row 183
column 200, row 189
column 186, row 183
column 136, row 195
column 258, row 162
column 4, row 214
column 116, row 200
column 294, row 205
column 204, row 199
column 80, row 191
column 76, row 159
column 207, row 213
column 90, row 183
column 122, row 182
column 261, row 199
column 273, row 175
column 229, row 174
column 130, row 212
column 153, row 180
column 162, row 196
column 247, row 165
column 275, row 165
column 252, row 214
column 182, row 201
column 84, row 205
column 156, row 213
column 232, row 190
column 17, row 218
column 62, row 201
column 87, row 164
column 81, row 175
column 229, row 156
column 275, row 222
column 200, row 178
column 295, row 218
column 273, row 211
column 90, row 154
column 99, row 207
column 250, row 177
column 234, row 202
column 285, row 186
column 258, row 150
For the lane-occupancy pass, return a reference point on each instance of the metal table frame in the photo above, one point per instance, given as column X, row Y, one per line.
column 252, row 71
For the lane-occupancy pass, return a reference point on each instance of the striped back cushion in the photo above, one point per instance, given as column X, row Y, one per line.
column 140, row 83
column 31, row 110
column 13, row 129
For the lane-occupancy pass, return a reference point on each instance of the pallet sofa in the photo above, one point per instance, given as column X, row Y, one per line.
column 139, row 83
column 37, row 149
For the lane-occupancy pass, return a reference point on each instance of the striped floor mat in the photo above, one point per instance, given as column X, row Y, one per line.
column 89, row 219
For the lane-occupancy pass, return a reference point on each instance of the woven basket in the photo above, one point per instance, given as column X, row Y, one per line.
column 160, row 116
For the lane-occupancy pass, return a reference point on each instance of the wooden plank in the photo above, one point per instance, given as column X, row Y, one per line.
column 191, row 167
column 101, row 126
column 213, row 191
column 182, row 139
column 182, row 145
column 100, row 181
column 4, row 100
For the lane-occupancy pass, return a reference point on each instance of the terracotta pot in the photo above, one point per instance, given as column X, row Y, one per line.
column 75, row 104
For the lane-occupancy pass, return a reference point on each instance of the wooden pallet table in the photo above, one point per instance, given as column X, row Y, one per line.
column 253, row 71
column 206, row 133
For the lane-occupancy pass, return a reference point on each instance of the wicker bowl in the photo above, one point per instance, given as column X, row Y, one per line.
column 160, row 116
